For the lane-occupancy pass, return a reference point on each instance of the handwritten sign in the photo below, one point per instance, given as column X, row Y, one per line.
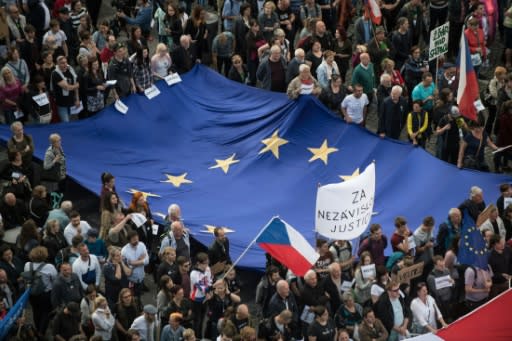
column 406, row 274
column 368, row 271
column 173, row 78
column 347, row 285
column 41, row 99
column 344, row 210
column 121, row 107
column 443, row 282
column 151, row 92
column 438, row 41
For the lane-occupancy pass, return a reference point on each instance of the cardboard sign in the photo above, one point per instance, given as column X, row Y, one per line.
column 368, row 271
column 173, row 78
column 482, row 217
column 152, row 92
column 406, row 274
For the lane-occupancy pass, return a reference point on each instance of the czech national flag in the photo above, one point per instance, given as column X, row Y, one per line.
column 467, row 92
column 373, row 9
column 288, row 246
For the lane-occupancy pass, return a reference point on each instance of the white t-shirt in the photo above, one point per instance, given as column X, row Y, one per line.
column 60, row 37
column 355, row 107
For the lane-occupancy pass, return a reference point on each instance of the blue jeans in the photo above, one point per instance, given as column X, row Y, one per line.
column 63, row 113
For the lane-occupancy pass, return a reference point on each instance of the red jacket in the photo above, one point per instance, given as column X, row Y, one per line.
column 475, row 42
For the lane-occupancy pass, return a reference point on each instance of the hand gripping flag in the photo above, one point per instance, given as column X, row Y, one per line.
column 288, row 246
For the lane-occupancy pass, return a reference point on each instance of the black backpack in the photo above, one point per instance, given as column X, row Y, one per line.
column 34, row 279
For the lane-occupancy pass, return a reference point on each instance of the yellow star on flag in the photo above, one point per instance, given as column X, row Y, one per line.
column 144, row 194
column 210, row 228
column 348, row 177
column 273, row 143
column 224, row 164
column 322, row 153
column 177, row 181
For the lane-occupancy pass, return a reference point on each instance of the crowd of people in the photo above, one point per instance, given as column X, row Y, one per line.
column 61, row 62
column 87, row 281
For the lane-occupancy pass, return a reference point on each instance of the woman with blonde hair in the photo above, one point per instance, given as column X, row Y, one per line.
column 388, row 66
column 491, row 98
column 160, row 62
column 11, row 90
column 116, row 273
column 102, row 319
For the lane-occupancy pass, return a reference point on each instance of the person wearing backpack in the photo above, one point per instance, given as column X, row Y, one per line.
column 39, row 277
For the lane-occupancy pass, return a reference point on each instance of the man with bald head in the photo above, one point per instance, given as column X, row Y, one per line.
column 364, row 74
column 13, row 211
column 177, row 238
column 241, row 318
column 284, row 299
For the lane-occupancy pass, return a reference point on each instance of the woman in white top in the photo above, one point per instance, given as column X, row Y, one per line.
column 363, row 285
column 160, row 62
column 494, row 223
column 41, row 303
column 425, row 312
column 102, row 319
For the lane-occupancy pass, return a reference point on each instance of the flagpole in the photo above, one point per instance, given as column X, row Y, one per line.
column 247, row 248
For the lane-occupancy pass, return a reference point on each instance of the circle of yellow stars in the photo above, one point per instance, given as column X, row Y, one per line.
column 469, row 245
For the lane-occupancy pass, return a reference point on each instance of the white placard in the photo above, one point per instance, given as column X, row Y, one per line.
column 307, row 315
column 347, row 285
column 506, row 202
column 438, row 41
column 479, row 105
column 76, row 110
column 368, row 271
column 173, row 78
column 41, row 99
column 121, row 107
column 111, row 82
column 152, row 92
column 138, row 219
column 411, row 242
column 443, row 282
column 18, row 114
column 344, row 210
column 154, row 229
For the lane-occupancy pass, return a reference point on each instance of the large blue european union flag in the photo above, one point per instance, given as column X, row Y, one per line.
column 472, row 249
column 236, row 156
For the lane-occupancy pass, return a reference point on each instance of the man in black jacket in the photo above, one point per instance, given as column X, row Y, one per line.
column 219, row 250
column 13, row 211
column 66, row 288
column 385, row 308
column 184, row 56
column 392, row 113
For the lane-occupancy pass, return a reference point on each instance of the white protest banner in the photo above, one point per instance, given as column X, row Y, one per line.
column 151, row 92
column 344, row 210
column 173, row 78
column 443, row 282
column 368, row 271
column 438, row 41
column 138, row 219
column 121, row 107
